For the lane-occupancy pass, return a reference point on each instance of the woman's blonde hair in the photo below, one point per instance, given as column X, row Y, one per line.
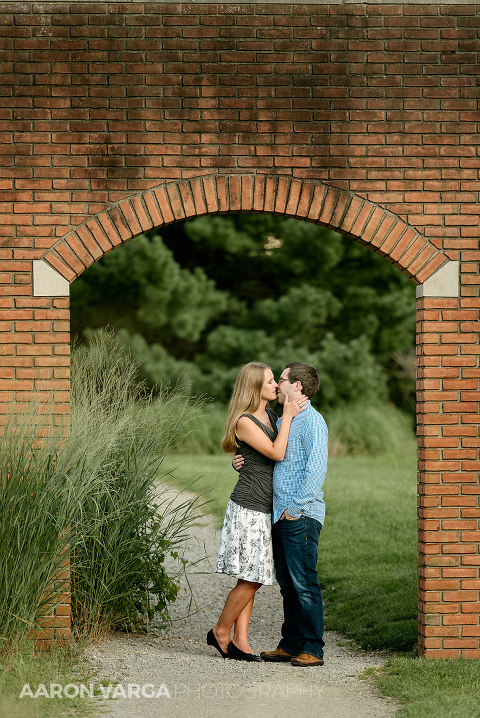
column 245, row 400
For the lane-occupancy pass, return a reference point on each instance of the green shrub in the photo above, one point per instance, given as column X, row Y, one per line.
column 353, row 429
column 205, row 431
column 368, row 429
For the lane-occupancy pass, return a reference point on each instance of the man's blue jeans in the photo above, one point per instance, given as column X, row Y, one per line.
column 295, row 550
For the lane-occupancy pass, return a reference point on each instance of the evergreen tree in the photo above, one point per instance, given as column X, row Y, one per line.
column 215, row 292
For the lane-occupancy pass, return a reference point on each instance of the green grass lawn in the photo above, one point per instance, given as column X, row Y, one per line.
column 64, row 667
column 367, row 568
column 438, row 688
column 368, row 550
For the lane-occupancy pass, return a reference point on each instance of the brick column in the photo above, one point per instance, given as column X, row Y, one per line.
column 35, row 358
column 449, row 488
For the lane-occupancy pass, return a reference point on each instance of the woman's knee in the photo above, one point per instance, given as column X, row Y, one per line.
column 249, row 585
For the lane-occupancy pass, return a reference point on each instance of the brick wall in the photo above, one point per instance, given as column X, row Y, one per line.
column 119, row 116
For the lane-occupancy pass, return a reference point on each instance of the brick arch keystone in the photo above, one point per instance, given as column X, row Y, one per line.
column 338, row 209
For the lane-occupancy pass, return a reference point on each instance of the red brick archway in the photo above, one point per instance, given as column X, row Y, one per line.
column 315, row 202
column 120, row 117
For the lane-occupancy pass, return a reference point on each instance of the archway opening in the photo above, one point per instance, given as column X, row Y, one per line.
column 309, row 294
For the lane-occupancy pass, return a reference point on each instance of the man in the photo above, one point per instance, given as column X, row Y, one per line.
column 298, row 516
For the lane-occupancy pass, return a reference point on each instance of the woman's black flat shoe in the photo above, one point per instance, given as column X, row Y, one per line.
column 239, row 655
column 212, row 641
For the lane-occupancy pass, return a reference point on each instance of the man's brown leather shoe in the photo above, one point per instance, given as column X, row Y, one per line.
column 276, row 656
column 306, row 659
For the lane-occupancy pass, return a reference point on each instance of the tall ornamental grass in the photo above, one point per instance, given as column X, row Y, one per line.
column 126, row 527
column 90, row 492
column 40, row 495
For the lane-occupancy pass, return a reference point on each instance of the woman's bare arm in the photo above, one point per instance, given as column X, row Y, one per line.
column 253, row 435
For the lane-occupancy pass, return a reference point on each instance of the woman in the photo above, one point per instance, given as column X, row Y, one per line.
column 246, row 543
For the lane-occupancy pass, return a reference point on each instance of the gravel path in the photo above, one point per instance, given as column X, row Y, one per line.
column 174, row 672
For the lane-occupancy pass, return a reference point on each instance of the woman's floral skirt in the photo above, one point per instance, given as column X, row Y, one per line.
column 246, row 545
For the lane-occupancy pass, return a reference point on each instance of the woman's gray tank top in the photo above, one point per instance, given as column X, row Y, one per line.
column 253, row 489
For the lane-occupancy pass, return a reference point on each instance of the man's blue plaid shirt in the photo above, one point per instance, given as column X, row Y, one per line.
column 298, row 479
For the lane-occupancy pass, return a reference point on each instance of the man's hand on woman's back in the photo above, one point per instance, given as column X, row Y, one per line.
column 238, row 462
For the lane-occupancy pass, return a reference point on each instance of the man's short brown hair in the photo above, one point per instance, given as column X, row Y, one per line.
column 306, row 374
